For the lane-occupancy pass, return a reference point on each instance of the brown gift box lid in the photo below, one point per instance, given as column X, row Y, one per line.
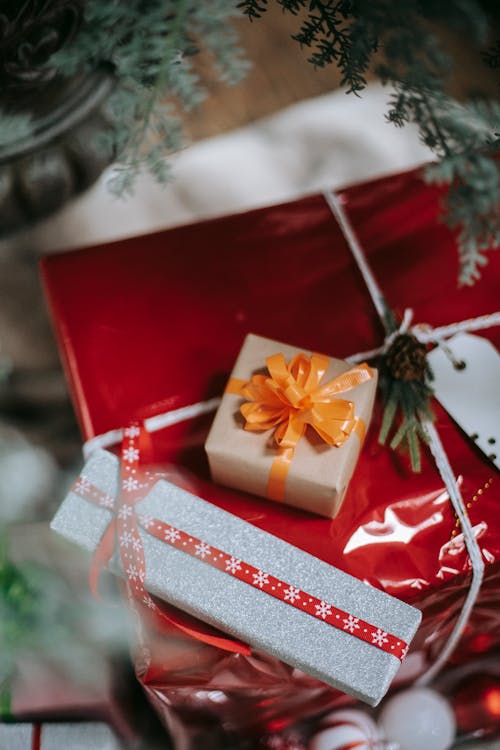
column 319, row 474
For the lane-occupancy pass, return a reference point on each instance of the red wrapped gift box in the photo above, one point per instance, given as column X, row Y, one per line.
column 161, row 318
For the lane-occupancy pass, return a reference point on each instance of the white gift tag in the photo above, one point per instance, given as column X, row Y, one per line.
column 470, row 392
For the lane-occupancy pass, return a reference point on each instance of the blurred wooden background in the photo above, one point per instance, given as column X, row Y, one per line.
column 281, row 75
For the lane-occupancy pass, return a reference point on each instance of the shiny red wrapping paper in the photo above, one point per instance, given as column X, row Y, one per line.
column 161, row 318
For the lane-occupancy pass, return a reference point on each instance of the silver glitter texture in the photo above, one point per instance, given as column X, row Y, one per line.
column 75, row 736
column 331, row 655
column 78, row 736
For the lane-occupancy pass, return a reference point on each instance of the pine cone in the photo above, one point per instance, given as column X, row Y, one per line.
column 30, row 32
column 406, row 358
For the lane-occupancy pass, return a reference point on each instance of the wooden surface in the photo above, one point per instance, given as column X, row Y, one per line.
column 281, row 75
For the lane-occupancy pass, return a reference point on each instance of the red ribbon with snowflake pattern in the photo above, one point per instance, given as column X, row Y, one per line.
column 135, row 483
column 124, row 527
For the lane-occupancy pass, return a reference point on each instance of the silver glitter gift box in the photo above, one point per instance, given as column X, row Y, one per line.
column 54, row 736
column 238, row 608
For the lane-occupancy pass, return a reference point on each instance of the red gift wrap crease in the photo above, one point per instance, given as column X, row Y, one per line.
column 161, row 318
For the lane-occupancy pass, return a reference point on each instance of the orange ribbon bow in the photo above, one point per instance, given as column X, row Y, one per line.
column 290, row 399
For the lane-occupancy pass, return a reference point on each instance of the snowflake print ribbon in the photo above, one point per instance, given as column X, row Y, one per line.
column 126, row 523
column 290, row 399
column 124, row 528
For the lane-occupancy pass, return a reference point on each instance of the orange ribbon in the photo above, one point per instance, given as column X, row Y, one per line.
column 290, row 399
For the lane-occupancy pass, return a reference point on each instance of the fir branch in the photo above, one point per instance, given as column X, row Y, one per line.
column 210, row 25
column 405, row 382
column 331, row 39
column 414, row 62
column 253, row 8
column 471, row 170
column 404, row 401
column 150, row 45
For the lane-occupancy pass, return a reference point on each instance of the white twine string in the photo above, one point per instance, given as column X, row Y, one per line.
column 355, row 248
column 370, row 353
column 424, row 334
column 427, row 335
column 471, row 545
column 152, row 424
column 435, row 445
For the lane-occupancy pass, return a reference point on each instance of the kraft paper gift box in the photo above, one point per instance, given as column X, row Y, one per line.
column 337, row 654
column 317, row 476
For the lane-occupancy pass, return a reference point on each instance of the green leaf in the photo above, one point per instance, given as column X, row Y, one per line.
column 414, row 446
column 400, row 434
column 389, row 415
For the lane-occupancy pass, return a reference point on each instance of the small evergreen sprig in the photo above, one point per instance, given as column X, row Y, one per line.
column 465, row 138
column 398, row 42
column 150, row 46
column 405, row 383
column 403, row 403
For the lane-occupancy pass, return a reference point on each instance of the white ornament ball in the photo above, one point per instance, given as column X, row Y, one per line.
column 418, row 719
column 345, row 729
